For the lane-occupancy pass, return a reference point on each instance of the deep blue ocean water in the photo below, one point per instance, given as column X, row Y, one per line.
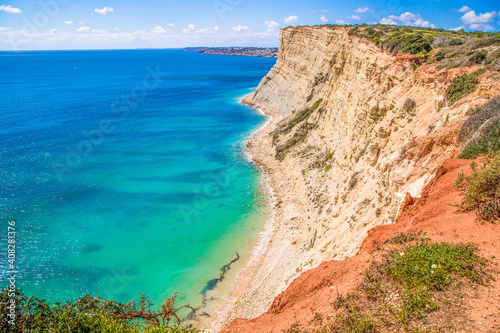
column 124, row 170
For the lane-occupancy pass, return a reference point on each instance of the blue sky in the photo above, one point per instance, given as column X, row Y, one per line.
column 97, row 24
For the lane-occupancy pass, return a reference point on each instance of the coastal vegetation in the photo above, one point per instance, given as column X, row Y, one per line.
column 90, row 314
column 299, row 117
column 462, row 85
column 482, row 189
column 447, row 48
column 481, row 131
column 414, row 284
column 417, row 287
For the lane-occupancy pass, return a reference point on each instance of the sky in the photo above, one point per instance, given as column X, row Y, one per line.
column 127, row 24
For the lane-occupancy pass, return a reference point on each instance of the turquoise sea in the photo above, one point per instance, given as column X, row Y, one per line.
column 124, row 170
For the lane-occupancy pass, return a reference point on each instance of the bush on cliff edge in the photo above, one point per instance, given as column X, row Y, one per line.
column 462, row 85
column 481, row 131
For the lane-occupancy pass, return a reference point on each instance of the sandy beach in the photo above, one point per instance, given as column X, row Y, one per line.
column 258, row 283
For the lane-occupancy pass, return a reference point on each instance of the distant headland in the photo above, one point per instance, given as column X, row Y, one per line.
column 268, row 52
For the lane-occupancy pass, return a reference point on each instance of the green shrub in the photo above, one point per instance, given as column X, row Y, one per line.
column 477, row 58
column 433, row 266
column 483, row 42
column 88, row 314
column 479, row 34
column 403, row 238
column 481, row 131
column 440, row 55
column 482, row 190
column 495, row 65
column 412, row 281
column 456, row 41
column 353, row 31
column 298, row 117
column 300, row 133
column 369, row 31
column 462, row 85
column 486, row 142
column 407, row 43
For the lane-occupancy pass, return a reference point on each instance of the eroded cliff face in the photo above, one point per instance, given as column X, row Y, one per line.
column 380, row 130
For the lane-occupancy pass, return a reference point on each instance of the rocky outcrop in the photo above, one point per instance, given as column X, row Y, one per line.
column 379, row 129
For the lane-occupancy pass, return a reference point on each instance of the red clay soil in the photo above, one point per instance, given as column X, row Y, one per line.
column 312, row 294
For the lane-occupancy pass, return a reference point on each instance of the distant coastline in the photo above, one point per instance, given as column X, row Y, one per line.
column 266, row 52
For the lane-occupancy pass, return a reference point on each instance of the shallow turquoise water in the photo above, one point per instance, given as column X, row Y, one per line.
column 124, row 171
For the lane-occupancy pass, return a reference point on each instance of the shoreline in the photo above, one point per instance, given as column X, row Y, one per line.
column 240, row 286
column 221, row 299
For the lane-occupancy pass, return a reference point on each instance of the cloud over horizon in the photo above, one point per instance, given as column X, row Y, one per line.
column 477, row 21
column 87, row 24
column 407, row 18
column 272, row 26
column 240, row 28
column 83, row 29
column 291, row 19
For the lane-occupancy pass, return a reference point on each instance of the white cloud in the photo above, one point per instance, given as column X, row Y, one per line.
column 339, row 21
column 411, row 19
column 53, row 31
column 190, row 28
column 117, row 29
column 9, row 9
column 478, row 21
column 171, row 24
column 159, row 30
column 272, row 26
column 99, row 31
column 80, row 22
column 291, row 19
column 363, row 10
column 28, row 40
column 388, row 21
column 68, row 22
column 323, row 19
column 4, row 29
column 104, row 10
column 354, row 17
column 464, row 9
column 458, row 28
column 470, row 17
column 83, row 29
column 481, row 26
column 240, row 28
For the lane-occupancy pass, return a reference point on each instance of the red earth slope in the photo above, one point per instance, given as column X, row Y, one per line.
column 313, row 293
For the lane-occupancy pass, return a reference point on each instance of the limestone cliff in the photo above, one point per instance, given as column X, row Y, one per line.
column 355, row 131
